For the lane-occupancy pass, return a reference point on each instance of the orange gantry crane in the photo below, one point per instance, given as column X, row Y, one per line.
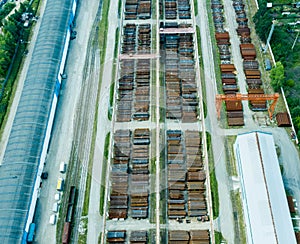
column 249, row 97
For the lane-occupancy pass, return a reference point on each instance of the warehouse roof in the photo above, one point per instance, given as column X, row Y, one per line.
column 23, row 152
column 265, row 205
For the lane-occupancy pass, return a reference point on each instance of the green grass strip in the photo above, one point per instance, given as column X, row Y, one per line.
column 103, row 28
column 119, row 8
column 202, row 77
column 106, row 145
column 218, row 237
column 196, row 7
column 240, row 229
column 213, row 179
column 113, row 76
column 104, row 169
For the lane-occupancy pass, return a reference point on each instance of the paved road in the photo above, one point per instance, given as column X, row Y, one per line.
column 157, row 149
column 202, row 127
column 63, row 130
column 225, row 221
column 289, row 158
column 133, row 224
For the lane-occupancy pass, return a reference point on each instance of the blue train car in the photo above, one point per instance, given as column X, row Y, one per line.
column 31, row 233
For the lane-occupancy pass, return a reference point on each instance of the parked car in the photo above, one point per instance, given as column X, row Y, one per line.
column 62, row 167
column 44, row 175
column 55, row 207
column 60, row 184
column 57, row 196
column 52, row 219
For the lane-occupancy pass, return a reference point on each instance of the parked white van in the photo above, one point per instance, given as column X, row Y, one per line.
column 57, row 196
column 52, row 219
column 55, row 207
column 62, row 167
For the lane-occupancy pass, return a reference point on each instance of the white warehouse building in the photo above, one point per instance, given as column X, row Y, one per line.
column 266, row 210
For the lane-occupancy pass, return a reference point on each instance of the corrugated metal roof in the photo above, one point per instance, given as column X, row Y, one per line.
column 19, row 167
column 265, row 205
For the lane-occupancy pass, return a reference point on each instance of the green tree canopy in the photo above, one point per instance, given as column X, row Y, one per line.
column 263, row 21
column 277, row 76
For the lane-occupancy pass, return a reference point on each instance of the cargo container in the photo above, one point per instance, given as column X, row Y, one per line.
column 234, row 105
column 235, row 121
column 139, row 237
column 199, row 235
column 283, row 120
column 179, row 235
column 116, row 236
column 227, row 68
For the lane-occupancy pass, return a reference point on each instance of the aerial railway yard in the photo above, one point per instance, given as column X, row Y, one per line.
column 156, row 187
column 158, row 182
column 181, row 173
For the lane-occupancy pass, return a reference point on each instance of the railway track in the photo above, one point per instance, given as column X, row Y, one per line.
column 85, row 121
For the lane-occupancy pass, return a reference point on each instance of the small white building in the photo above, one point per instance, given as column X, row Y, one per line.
column 266, row 210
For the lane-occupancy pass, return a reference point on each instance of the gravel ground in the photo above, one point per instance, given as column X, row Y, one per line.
column 104, row 126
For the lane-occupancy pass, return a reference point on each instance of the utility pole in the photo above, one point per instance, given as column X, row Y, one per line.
column 295, row 40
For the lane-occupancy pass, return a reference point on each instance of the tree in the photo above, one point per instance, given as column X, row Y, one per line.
column 277, row 76
column 263, row 21
column 10, row 27
column 7, row 8
column 297, row 125
column 4, row 64
column 290, row 83
column 296, row 111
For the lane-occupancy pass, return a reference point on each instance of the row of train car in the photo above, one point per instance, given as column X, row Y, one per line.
column 174, row 237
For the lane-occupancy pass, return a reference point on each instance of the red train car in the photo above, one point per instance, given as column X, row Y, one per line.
column 66, row 233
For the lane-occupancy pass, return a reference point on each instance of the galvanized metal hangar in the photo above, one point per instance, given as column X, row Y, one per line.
column 266, row 210
column 21, row 169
